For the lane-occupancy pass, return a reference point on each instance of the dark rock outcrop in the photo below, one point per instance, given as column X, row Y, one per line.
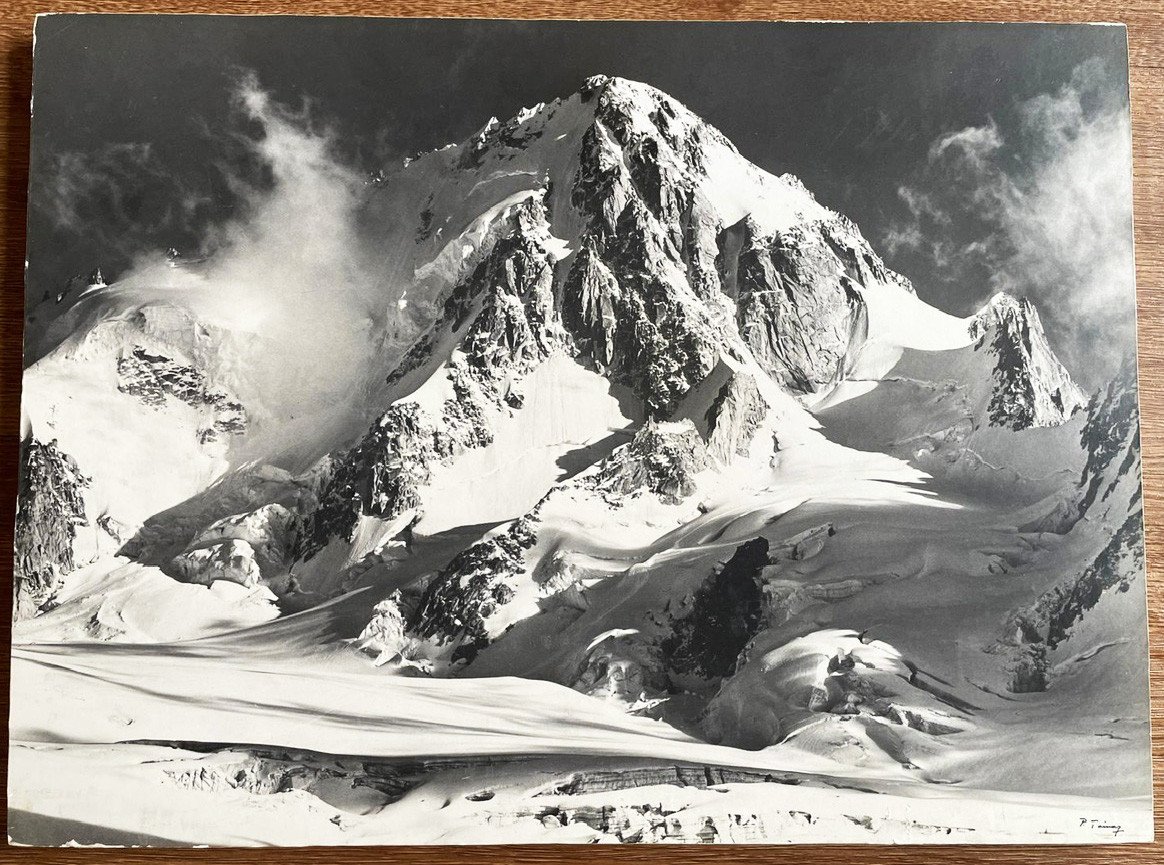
column 662, row 459
column 1031, row 387
column 457, row 604
column 50, row 506
column 1111, row 439
column 154, row 377
column 380, row 476
column 726, row 612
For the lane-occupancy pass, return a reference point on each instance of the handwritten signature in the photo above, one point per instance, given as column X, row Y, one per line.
column 1101, row 826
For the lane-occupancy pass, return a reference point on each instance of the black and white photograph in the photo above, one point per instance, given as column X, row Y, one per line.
column 466, row 431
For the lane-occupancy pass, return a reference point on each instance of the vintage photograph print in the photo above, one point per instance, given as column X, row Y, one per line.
column 496, row 432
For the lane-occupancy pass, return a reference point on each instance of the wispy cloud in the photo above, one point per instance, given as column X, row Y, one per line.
column 290, row 266
column 1041, row 209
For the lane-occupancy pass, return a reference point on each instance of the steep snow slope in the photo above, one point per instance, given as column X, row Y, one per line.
column 983, row 406
column 570, row 418
column 130, row 404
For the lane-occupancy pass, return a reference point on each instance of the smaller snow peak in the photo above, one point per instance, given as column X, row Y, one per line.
column 1031, row 387
column 474, row 150
column 1003, row 306
column 499, row 142
column 528, row 113
column 1017, row 316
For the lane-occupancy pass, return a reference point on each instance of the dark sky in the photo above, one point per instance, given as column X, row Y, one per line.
column 851, row 109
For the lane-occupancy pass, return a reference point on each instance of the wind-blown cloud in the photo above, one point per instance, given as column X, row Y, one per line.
column 294, row 264
column 290, row 267
column 1041, row 209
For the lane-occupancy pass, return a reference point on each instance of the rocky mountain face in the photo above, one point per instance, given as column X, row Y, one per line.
column 804, row 281
column 632, row 259
column 617, row 229
column 725, row 614
column 466, row 606
column 1111, row 440
column 1031, row 386
column 153, row 377
column 503, row 322
column 1106, row 506
column 697, row 310
column 49, row 508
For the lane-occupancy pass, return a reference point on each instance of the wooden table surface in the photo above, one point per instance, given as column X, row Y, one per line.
column 1145, row 20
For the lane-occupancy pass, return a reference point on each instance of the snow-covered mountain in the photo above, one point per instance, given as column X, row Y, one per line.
column 643, row 421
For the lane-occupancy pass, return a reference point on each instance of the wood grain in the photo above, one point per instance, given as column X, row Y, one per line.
column 1145, row 20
